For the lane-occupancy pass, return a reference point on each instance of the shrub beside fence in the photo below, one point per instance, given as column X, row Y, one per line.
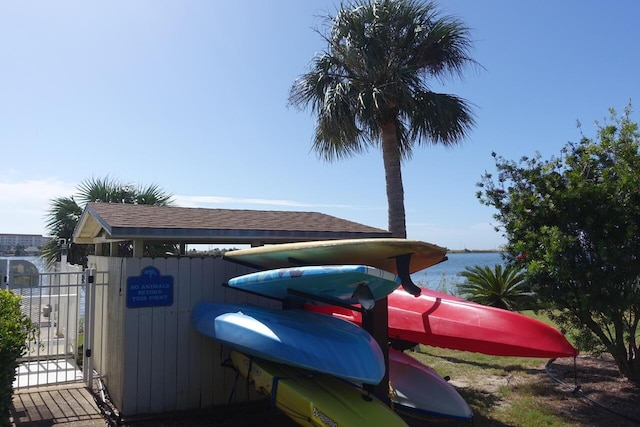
column 15, row 330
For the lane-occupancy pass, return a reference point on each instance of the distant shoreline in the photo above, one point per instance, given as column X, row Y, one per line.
column 473, row 251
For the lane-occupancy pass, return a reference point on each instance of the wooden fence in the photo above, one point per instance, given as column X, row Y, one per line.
column 151, row 359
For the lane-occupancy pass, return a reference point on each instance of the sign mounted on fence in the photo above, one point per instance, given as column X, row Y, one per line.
column 149, row 289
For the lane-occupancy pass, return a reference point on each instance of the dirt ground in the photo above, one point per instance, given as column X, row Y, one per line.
column 604, row 397
column 590, row 394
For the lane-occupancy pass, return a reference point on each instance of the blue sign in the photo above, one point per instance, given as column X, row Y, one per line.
column 149, row 289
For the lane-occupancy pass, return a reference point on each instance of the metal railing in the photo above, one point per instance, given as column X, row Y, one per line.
column 61, row 306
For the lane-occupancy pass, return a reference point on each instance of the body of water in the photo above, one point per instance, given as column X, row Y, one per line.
column 445, row 276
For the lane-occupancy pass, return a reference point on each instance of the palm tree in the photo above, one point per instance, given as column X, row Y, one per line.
column 496, row 287
column 369, row 88
column 64, row 213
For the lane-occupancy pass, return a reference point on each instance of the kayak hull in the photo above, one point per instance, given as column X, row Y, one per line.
column 295, row 337
column 338, row 283
column 312, row 399
column 419, row 391
column 379, row 252
column 436, row 320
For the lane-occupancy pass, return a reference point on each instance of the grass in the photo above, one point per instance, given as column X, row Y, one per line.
column 502, row 391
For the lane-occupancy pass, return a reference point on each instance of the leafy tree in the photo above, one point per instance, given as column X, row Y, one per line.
column 64, row 214
column 370, row 87
column 577, row 220
column 497, row 287
column 16, row 330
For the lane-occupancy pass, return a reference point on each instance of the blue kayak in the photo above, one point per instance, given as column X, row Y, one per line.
column 294, row 337
column 350, row 284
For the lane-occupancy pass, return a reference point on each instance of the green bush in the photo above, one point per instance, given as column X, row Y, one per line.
column 15, row 331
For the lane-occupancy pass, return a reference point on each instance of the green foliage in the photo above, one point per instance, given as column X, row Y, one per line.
column 64, row 214
column 370, row 86
column 575, row 223
column 503, row 288
column 15, row 330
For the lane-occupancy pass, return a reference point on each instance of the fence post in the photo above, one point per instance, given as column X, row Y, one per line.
column 89, row 320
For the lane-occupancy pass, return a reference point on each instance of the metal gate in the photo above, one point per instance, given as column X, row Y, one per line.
column 60, row 304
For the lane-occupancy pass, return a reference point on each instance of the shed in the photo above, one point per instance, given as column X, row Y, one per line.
column 150, row 357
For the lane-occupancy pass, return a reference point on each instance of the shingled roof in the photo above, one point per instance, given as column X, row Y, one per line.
column 108, row 222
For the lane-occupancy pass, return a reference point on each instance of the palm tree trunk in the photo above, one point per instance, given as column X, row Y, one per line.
column 376, row 322
column 393, row 176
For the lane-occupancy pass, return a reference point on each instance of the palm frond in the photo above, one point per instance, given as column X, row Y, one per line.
column 375, row 69
column 152, row 195
column 440, row 119
column 106, row 190
column 62, row 216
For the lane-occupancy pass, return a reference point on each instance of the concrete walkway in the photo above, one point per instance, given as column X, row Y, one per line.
column 70, row 405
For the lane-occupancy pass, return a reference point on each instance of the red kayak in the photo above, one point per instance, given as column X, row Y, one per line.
column 442, row 320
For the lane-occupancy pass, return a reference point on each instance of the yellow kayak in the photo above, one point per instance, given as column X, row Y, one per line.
column 379, row 253
column 312, row 399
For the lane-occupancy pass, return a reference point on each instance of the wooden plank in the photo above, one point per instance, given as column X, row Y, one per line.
column 195, row 339
column 217, row 371
column 101, row 322
column 207, row 389
column 57, row 405
column 184, row 326
column 84, row 400
column 158, row 353
column 217, row 279
column 230, row 380
column 75, row 409
column 171, row 348
column 114, row 375
column 34, row 407
column 129, row 402
column 144, row 354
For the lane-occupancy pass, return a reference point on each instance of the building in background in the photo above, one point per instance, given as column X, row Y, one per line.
column 28, row 243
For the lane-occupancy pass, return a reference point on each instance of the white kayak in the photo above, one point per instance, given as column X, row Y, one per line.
column 418, row 390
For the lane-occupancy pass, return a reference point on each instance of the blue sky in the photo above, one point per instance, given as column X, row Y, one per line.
column 192, row 96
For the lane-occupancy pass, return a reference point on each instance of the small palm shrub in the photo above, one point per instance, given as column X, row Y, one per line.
column 500, row 287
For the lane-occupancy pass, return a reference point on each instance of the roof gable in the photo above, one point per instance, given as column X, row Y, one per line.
column 104, row 222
